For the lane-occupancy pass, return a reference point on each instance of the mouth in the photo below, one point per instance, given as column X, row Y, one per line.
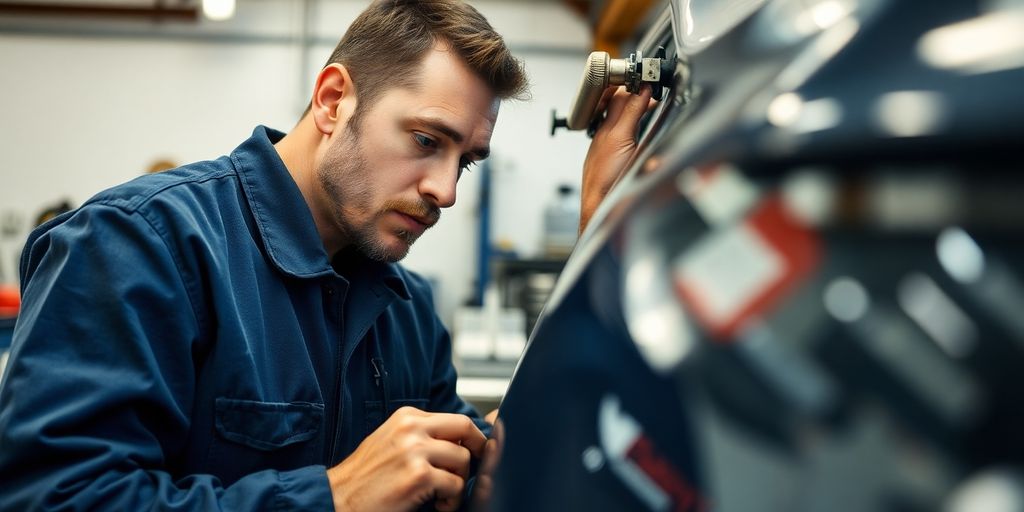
column 415, row 223
column 426, row 221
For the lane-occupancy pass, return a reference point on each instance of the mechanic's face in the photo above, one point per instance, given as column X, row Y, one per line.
column 386, row 180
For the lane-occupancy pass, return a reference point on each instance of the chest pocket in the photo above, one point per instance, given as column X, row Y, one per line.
column 374, row 411
column 253, row 434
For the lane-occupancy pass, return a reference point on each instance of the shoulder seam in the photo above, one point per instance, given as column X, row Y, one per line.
column 131, row 205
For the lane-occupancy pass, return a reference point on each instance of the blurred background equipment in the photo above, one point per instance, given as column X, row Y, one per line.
column 10, row 230
column 805, row 294
column 10, row 303
column 160, row 165
column 56, row 209
column 490, row 331
column 561, row 222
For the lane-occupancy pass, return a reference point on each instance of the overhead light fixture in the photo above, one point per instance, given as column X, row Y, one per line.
column 218, row 10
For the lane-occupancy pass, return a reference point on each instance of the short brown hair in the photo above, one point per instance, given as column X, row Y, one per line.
column 384, row 45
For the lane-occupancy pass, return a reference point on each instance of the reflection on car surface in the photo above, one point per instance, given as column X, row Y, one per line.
column 806, row 295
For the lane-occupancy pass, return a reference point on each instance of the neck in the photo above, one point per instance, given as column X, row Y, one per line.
column 301, row 151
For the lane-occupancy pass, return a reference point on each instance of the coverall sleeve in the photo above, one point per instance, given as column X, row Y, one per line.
column 96, row 403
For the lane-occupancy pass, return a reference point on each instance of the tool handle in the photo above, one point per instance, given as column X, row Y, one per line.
column 600, row 72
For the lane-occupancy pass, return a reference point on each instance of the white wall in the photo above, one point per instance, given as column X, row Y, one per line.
column 89, row 104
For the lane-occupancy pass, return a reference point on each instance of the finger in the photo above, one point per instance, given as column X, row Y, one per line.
column 482, row 489
column 491, row 417
column 606, row 96
column 457, row 428
column 449, row 457
column 408, row 411
column 616, row 105
column 447, row 490
column 633, row 109
column 492, row 455
column 446, row 504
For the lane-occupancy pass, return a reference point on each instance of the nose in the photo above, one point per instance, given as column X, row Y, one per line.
column 438, row 185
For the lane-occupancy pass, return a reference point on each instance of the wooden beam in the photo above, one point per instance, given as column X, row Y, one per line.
column 617, row 22
column 157, row 11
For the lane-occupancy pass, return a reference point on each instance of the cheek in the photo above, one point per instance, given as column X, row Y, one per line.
column 395, row 174
column 393, row 162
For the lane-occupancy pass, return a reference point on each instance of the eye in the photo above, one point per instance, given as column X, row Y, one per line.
column 424, row 141
column 465, row 164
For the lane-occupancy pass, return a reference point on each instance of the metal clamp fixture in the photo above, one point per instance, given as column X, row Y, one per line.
column 601, row 72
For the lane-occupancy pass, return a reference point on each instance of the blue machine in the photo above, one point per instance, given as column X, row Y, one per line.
column 807, row 294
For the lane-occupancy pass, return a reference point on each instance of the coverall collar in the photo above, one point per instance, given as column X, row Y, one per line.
column 288, row 233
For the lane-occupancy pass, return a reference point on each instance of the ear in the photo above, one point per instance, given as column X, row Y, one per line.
column 334, row 99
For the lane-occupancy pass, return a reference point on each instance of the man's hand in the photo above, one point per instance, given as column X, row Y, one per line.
column 412, row 458
column 612, row 147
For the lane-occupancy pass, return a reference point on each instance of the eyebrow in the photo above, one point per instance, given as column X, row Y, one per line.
column 453, row 134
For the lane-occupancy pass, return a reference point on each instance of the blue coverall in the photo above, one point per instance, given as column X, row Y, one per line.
column 185, row 343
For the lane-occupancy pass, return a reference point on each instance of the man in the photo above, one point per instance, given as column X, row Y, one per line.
column 235, row 334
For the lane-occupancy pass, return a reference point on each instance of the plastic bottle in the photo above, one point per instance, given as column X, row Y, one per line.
column 561, row 222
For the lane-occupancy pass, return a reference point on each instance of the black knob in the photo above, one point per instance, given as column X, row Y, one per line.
column 558, row 122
